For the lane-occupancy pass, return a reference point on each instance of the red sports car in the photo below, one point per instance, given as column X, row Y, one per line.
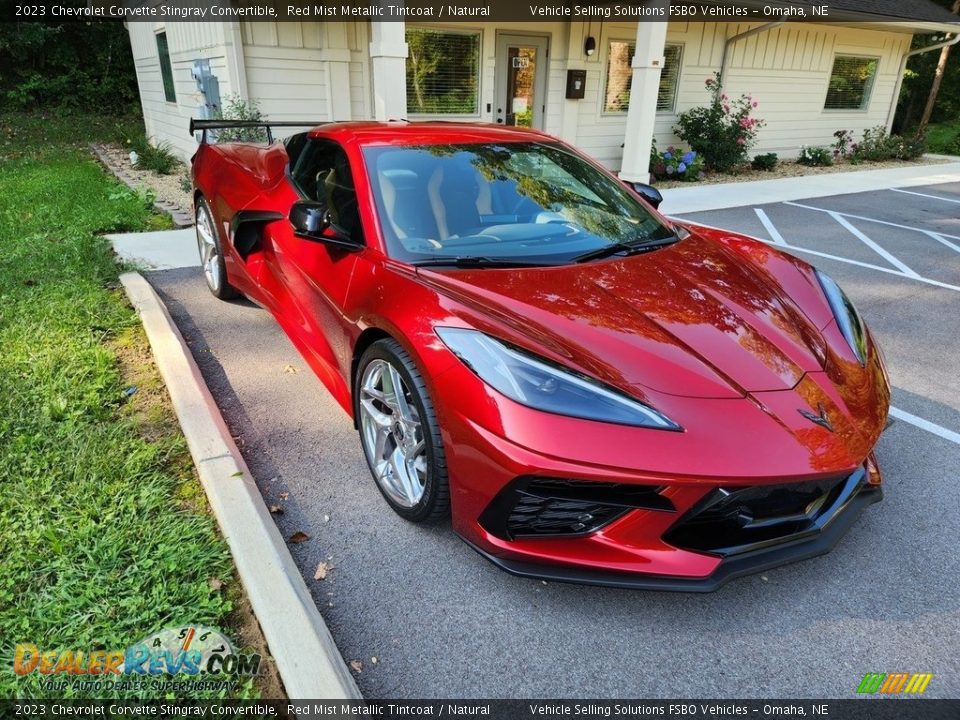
column 592, row 391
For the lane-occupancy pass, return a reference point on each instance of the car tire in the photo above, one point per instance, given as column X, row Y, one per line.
column 211, row 252
column 401, row 438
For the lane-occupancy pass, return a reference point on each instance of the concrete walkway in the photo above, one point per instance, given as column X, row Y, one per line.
column 169, row 249
column 679, row 201
column 160, row 250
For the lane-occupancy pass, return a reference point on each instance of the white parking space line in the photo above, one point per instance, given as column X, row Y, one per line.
column 940, row 239
column 930, row 427
column 926, row 195
column 837, row 258
column 889, row 257
column 771, row 230
column 873, row 220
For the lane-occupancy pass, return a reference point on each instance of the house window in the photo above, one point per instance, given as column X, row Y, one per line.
column 166, row 69
column 620, row 74
column 443, row 68
column 850, row 82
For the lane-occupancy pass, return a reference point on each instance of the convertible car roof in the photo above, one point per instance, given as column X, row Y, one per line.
column 402, row 132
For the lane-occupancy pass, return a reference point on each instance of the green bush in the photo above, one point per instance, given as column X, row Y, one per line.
column 723, row 131
column 767, row 162
column 815, row 156
column 157, row 158
column 954, row 148
column 234, row 108
column 876, row 146
column 944, row 137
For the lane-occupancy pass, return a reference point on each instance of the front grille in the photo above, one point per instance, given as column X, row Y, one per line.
column 739, row 519
column 558, row 507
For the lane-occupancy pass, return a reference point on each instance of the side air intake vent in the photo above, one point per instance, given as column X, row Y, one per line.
column 557, row 507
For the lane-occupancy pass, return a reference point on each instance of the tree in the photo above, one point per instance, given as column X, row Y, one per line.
column 69, row 65
column 937, row 80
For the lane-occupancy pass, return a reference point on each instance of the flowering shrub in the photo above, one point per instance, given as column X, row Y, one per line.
column 815, row 156
column 674, row 164
column 723, row 131
column 844, row 143
column 876, row 146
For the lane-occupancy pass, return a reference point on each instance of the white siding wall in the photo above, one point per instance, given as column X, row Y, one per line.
column 785, row 69
column 168, row 122
column 305, row 70
column 321, row 71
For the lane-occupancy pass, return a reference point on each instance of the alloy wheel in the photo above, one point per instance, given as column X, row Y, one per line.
column 209, row 252
column 392, row 434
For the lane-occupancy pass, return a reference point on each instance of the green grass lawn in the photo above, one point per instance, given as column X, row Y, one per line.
column 104, row 533
column 944, row 138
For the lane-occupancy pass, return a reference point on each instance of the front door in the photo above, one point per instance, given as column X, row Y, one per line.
column 520, row 91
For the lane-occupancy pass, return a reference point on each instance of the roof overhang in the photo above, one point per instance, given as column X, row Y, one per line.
column 852, row 18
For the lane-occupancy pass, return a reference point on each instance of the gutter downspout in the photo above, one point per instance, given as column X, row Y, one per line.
column 736, row 38
column 903, row 66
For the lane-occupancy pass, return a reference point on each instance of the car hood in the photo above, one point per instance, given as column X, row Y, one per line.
column 694, row 319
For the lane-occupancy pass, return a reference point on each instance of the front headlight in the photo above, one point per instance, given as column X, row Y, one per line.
column 848, row 319
column 538, row 384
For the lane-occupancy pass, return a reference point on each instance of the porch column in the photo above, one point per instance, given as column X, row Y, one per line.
column 236, row 65
column 644, row 88
column 388, row 64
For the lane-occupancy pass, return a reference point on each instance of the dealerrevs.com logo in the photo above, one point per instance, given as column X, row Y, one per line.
column 894, row 683
column 189, row 650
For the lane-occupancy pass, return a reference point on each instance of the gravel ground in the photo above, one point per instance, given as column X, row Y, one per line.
column 791, row 168
column 165, row 187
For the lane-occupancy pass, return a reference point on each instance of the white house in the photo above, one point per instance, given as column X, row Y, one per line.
column 810, row 78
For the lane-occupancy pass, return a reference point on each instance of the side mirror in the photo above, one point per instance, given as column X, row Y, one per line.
column 647, row 192
column 311, row 221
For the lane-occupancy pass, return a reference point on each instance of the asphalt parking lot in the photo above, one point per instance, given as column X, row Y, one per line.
column 442, row 622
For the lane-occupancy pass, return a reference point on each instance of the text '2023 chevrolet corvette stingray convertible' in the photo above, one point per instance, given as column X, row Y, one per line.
column 591, row 391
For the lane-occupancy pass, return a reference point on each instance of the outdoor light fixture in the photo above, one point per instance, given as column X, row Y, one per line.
column 590, row 46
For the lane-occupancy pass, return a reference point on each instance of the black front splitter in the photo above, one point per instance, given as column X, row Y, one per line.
column 747, row 563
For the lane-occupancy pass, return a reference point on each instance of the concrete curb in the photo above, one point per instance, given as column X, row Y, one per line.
column 307, row 657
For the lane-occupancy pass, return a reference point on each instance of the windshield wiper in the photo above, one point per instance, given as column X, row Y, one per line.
column 628, row 248
column 477, row 261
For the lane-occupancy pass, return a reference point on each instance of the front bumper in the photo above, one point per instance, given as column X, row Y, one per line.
column 819, row 538
column 651, row 540
column 657, row 481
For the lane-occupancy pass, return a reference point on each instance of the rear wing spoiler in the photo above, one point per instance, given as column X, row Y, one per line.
column 204, row 125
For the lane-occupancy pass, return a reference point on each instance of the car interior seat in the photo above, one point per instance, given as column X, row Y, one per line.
column 406, row 205
column 454, row 193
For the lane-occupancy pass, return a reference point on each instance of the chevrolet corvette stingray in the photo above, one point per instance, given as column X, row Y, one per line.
column 591, row 391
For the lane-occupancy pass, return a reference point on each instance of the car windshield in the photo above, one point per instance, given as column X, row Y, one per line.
column 529, row 203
